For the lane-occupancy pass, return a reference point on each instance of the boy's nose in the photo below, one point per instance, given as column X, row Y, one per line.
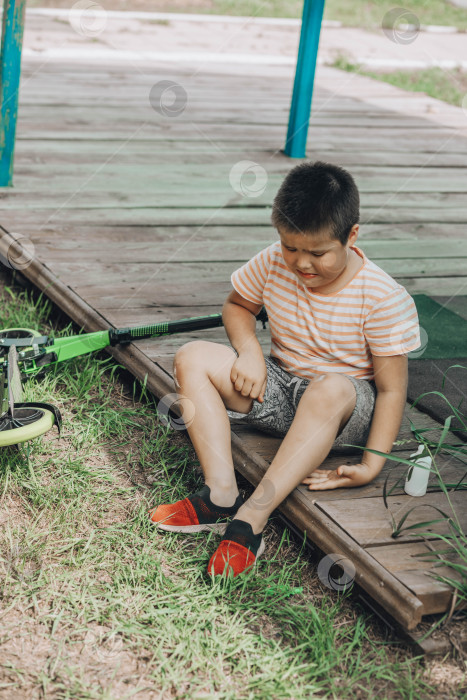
column 304, row 264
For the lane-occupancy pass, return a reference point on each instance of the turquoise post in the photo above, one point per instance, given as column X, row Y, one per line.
column 10, row 68
column 295, row 145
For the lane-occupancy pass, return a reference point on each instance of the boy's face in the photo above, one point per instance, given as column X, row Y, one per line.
column 317, row 259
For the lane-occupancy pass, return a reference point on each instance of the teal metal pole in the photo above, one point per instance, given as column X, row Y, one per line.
column 295, row 145
column 10, row 69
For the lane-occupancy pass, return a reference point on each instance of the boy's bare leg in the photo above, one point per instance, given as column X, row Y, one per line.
column 202, row 378
column 202, row 375
column 325, row 406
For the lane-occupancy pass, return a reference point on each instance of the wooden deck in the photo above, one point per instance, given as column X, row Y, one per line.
column 133, row 219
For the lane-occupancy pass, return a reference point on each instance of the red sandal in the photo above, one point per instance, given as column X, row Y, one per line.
column 238, row 551
column 194, row 513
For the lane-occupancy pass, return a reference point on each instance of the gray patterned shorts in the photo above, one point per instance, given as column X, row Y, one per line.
column 282, row 396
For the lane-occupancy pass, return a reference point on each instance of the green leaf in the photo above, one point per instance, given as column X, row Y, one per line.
column 460, row 482
column 445, row 374
column 385, row 500
column 456, row 413
column 424, row 524
column 392, row 458
column 404, row 518
column 444, row 432
column 454, row 583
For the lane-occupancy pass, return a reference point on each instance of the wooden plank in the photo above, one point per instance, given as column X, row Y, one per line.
column 327, row 92
column 376, row 528
column 434, row 285
column 450, row 468
column 333, row 139
column 418, row 573
column 182, row 274
column 427, row 285
column 128, row 215
column 211, row 103
column 30, row 151
column 208, row 245
column 130, row 113
column 99, row 193
column 54, row 85
column 134, row 106
column 147, row 298
column 368, row 178
column 68, row 234
column 168, row 346
column 134, row 216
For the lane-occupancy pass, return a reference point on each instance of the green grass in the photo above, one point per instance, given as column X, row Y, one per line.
column 370, row 14
column 102, row 605
column 449, row 86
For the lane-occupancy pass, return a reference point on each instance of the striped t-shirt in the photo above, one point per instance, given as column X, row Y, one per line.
column 313, row 333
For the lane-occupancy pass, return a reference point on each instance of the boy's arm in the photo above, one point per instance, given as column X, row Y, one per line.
column 249, row 369
column 391, row 378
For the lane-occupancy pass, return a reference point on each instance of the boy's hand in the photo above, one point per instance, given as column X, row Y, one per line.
column 249, row 375
column 344, row 476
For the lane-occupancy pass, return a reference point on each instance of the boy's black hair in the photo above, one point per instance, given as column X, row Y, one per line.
column 315, row 197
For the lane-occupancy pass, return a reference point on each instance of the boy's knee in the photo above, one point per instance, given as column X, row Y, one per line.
column 189, row 355
column 333, row 390
column 197, row 358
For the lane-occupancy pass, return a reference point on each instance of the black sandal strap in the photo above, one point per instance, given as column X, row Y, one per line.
column 209, row 512
column 242, row 533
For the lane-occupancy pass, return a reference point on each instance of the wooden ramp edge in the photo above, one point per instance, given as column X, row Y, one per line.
column 312, row 516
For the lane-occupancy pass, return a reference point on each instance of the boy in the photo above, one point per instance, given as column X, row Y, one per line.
column 341, row 329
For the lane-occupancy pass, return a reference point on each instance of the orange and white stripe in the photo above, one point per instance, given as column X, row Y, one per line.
column 314, row 333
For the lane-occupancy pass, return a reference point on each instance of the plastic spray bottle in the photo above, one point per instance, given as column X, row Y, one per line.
column 417, row 480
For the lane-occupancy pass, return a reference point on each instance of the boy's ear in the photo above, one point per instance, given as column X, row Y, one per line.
column 353, row 234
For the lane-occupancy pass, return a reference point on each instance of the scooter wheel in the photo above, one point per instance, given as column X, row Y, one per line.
column 27, row 424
